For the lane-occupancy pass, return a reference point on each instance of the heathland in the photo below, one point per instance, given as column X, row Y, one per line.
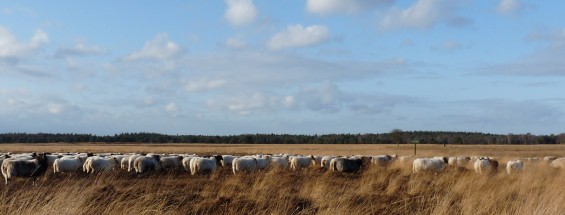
column 538, row 189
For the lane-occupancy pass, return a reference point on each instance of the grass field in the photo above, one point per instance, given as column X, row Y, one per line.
column 393, row 190
column 313, row 149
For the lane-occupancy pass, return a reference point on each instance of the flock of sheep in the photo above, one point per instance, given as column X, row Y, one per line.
column 34, row 165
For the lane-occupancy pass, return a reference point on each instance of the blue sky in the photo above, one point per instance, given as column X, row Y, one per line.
column 300, row 67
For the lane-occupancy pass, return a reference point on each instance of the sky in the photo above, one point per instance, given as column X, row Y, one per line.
column 282, row 66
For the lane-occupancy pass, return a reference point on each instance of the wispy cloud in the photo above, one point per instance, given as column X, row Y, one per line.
column 158, row 48
column 508, row 6
column 424, row 14
column 79, row 50
column 545, row 61
column 10, row 47
column 298, row 36
column 240, row 12
column 325, row 7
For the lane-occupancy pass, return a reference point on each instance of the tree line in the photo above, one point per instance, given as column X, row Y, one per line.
column 396, row 136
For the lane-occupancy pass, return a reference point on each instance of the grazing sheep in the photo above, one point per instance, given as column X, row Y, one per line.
column 325, row 162
column 436, row 164
column 51, row 158
column 171, row 162
column 514, row 166
column 298, row 162
column 131, row 161
column 186, row 162
column 382, row 160
column 332, row 163
column 549, row 159
column 367, row 159
column 227, row 160
column 482, row 165
column 317, row 161
column 263, row 163
column 99, row 164
column 244, row 164
column 203, row 165
column 217, row 158
column 33, row 168
column 558, row 163
column 3, row 157
column 458, row 161
column 347, row 165
column 280, row 162
column 124, row 164
column 147, row 163
column 68, row 164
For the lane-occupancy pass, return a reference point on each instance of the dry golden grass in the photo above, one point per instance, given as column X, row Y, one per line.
column 394, row 190
column 314, row 149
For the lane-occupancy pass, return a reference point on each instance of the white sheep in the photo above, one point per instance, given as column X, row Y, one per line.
column 318, row 161
column 171, row 162
column 514, row 166
column 227, row 160
column 263, row 162
column 325, row 162
column 34, row 167
column 382, row 160
column 99, row 164
column 436, row 164
column 186, row 162
column 202, row 165
column 131, row 161
column 51, row 158
column 147, row 163
column 299, row 162
column 280, row 162
column 332, row 165
column 124, row 164
column 460, row 161
column 549, row 159
column 244, row 164
column 68, row 164
column 482, row 165
column 558, row 163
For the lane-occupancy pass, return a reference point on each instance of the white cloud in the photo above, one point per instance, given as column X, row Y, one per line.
column 508, row 6
column 289, row 101
column 424, row 14
column 325, row 97
column 267, row 69
column 171, row 107
column 202, row 84
column 158, row 48
column 245, row 104
column 55, row 108
column 10, row 47
column 299, row 36
column 324, row 7
column 546, row 61
column 79, row 50
column 240, row 12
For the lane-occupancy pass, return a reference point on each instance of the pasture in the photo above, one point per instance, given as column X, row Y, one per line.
column 538, row 189
column 313, row 149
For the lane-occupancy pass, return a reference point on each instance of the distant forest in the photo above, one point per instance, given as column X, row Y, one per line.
column 394, row 137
